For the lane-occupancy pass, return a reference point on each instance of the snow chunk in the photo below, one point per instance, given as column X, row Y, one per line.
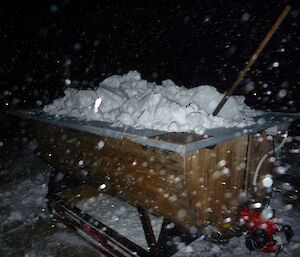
column 130, row 101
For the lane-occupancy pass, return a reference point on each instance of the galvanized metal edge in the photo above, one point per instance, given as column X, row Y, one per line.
column 262, row 123
column 142, row 136
column 101, row 128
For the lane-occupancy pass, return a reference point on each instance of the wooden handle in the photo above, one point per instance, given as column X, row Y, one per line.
column 253, row 58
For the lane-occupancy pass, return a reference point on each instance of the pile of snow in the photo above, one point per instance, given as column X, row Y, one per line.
column 130, row 101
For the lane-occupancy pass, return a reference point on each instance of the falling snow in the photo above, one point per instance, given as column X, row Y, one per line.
column 63, row 50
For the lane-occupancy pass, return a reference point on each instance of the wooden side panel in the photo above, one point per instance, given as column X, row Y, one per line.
column 191, row 189
column 259, row 144
column 151, row 178
column 198, row 166
column 215, row 179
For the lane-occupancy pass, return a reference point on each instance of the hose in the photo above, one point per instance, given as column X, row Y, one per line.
column 261, row 161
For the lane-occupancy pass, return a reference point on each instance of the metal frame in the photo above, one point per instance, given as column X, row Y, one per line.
column 105, row 239
column 146, row 136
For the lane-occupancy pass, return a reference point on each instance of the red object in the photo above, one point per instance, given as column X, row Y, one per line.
column 254, row 220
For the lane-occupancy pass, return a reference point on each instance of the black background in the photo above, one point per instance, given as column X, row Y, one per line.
column 191, row 42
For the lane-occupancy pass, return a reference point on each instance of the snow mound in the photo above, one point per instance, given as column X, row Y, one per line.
column 129, row 100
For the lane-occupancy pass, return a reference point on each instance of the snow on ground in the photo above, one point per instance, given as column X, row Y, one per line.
column 17, row 205
column 130, row 101
column 120, row 216
column 236, row 246
column 28, row 230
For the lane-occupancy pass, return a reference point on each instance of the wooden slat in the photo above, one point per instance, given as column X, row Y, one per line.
column 215, row 180
column 197, row 169
column 148, row 177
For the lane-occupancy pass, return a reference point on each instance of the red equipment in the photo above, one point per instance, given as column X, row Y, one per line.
column 264, row 233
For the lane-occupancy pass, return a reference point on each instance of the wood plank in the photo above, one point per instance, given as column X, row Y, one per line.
column 215, row 180
column 148, row 177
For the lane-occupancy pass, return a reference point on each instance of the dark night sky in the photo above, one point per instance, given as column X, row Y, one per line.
column 191, row 42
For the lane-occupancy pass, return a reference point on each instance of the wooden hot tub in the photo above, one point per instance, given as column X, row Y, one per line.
column 192, row 180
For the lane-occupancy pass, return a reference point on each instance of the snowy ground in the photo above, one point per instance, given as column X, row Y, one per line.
column 26, row 228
